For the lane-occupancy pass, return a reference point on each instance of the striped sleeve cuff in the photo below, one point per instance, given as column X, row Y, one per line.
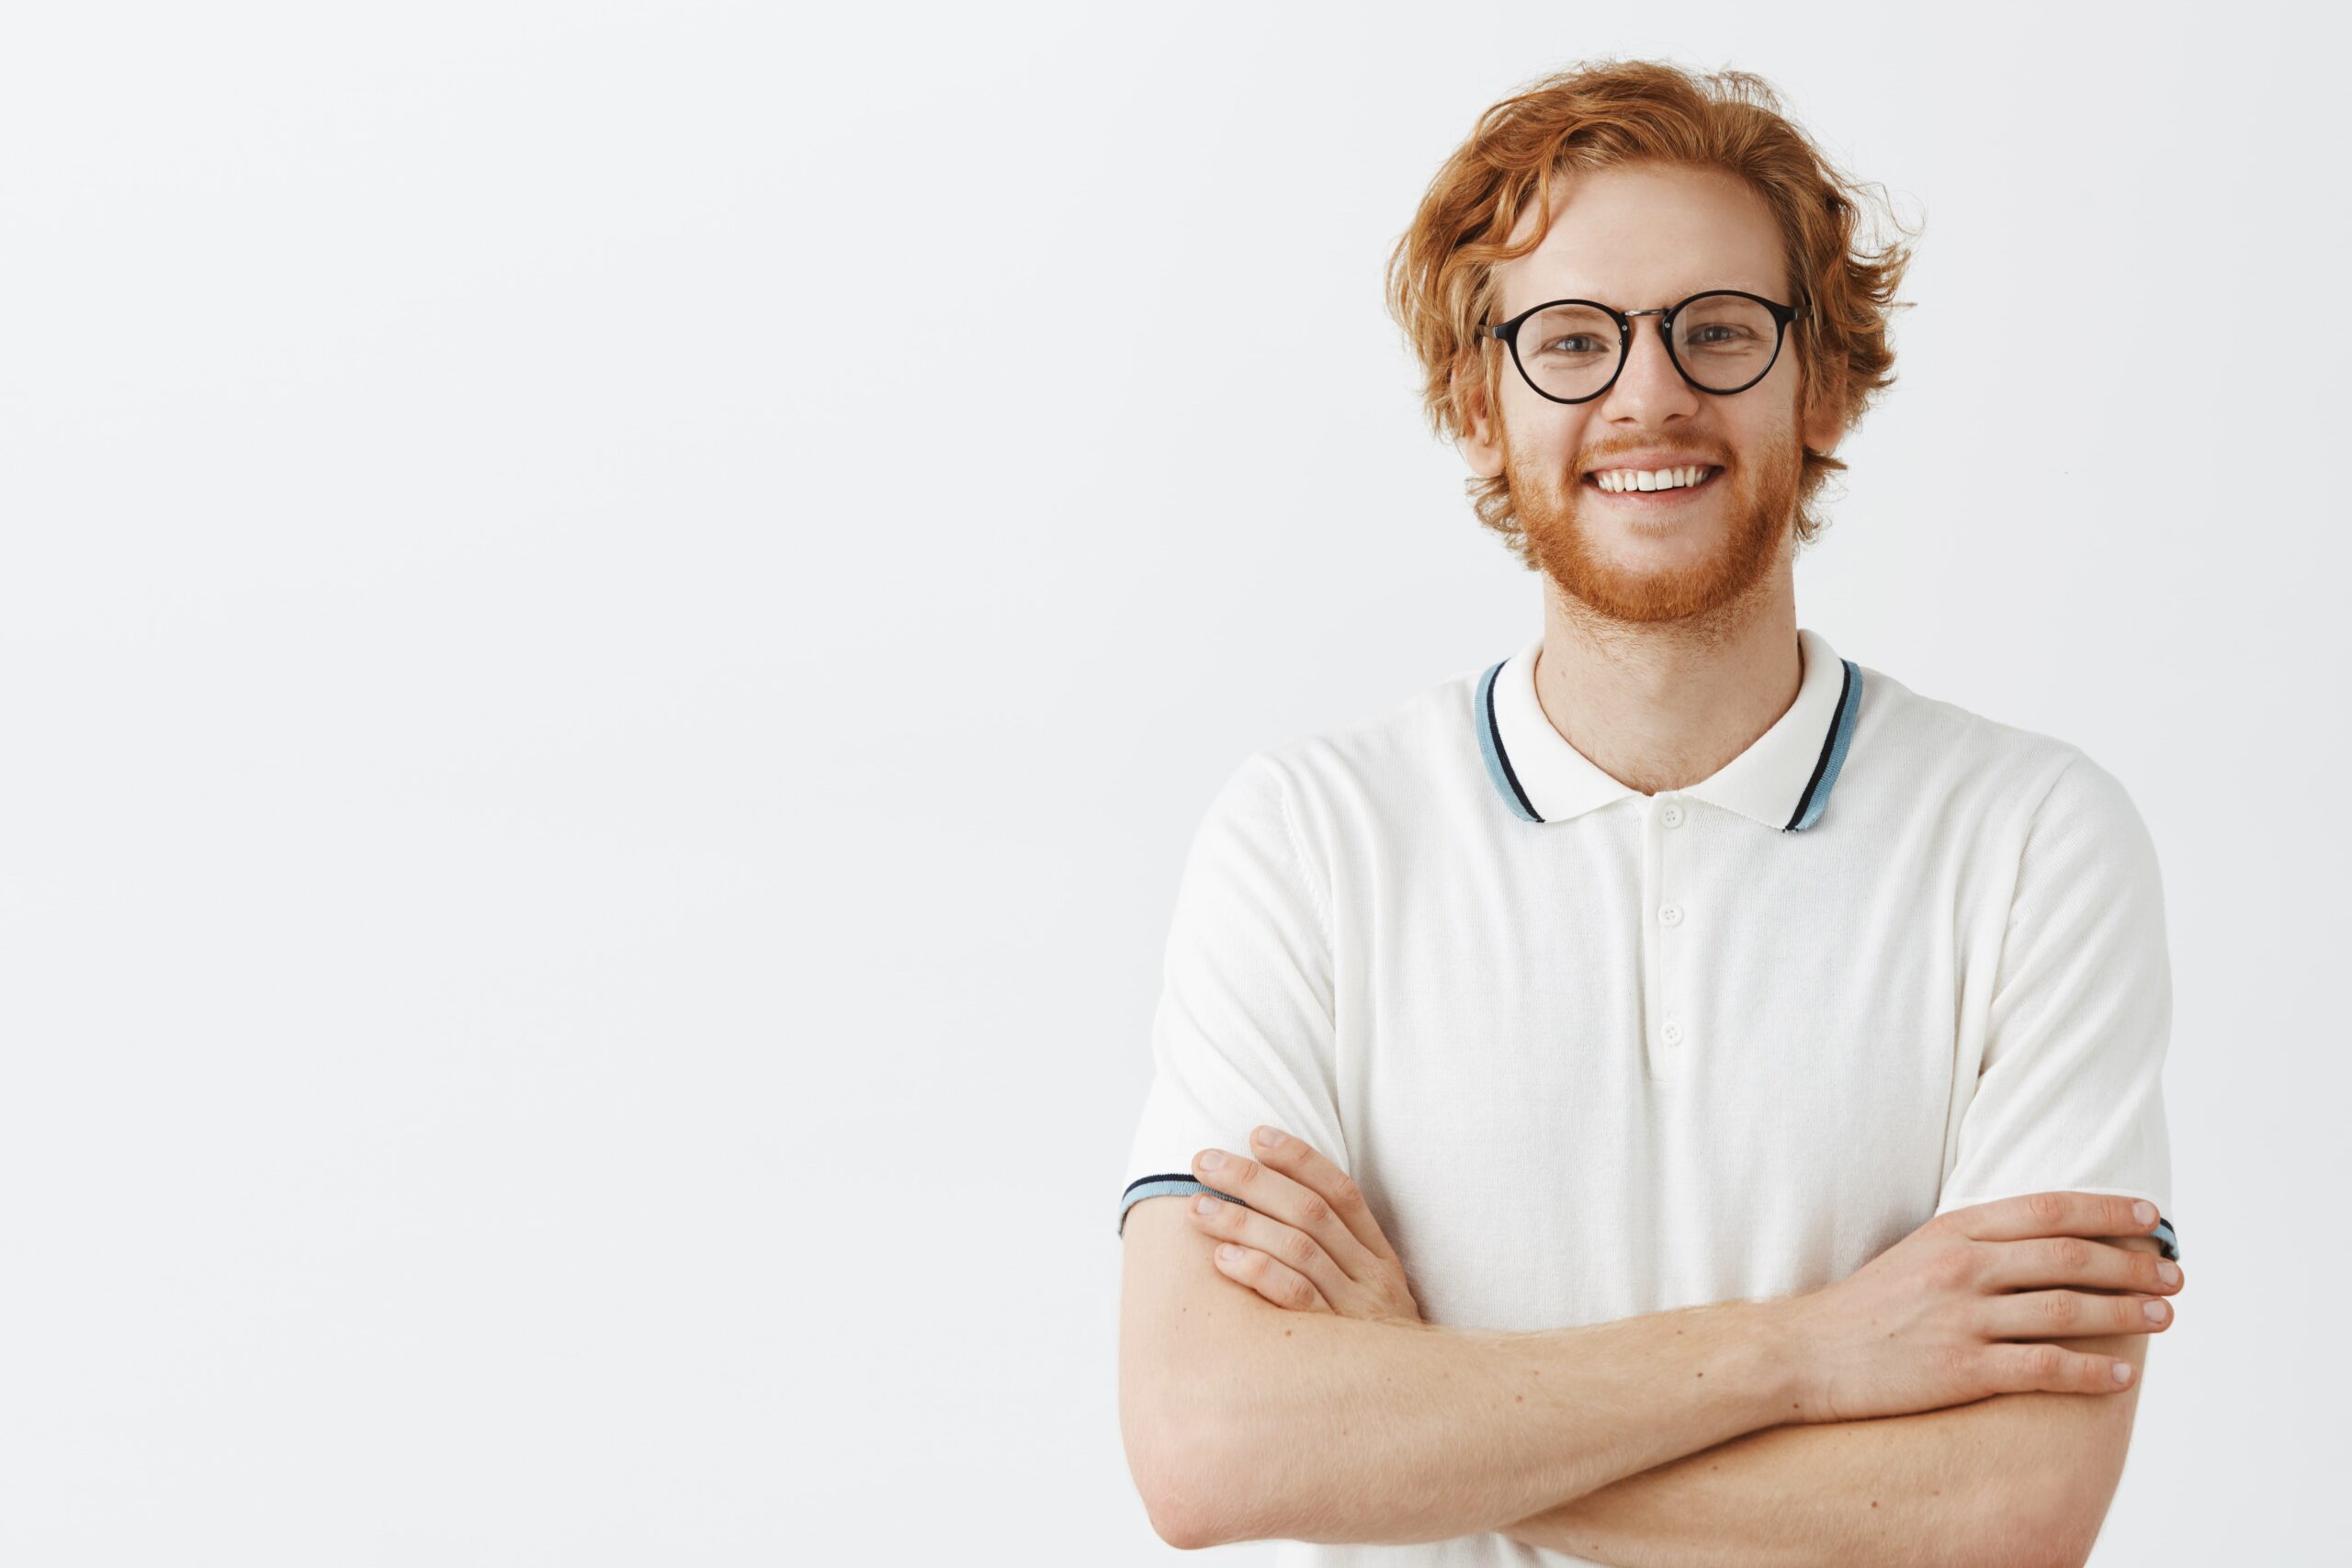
column 1144, row 1187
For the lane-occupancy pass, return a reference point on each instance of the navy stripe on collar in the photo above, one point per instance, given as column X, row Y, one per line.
column 1490, row 746
column 1833, row 752
column 1834, row 744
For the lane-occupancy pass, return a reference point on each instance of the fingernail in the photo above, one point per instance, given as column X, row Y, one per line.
column 2169, row 1272
column 2144, row 1213
column 1268, row 1138
column 1211, row 1160
column 2157, row 1311
column 1205, row 1205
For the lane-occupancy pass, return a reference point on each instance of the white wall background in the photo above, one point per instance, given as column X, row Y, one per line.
column 616, row 616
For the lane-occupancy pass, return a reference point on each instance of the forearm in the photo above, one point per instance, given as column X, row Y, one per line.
column 1920, row 1491
column 1325, row 1428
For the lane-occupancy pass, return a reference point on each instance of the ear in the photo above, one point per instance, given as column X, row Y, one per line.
column 1481, row 444
column 1824, row 422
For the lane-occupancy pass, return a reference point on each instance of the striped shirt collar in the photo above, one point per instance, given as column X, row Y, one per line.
column 1783, row 780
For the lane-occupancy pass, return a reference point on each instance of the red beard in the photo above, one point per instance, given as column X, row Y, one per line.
column 1748, row 522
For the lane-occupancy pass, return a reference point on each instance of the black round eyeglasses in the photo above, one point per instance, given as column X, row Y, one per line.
column 1571, row 351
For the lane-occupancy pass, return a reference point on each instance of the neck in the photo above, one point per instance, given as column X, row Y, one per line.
column 1663, row 706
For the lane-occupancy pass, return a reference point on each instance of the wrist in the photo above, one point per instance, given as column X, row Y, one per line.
column 1781, row 1342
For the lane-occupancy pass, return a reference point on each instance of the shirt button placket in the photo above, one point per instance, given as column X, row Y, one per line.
column 1670, row 816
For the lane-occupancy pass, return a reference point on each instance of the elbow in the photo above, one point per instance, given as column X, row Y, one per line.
column 2015, row 1543
column 1170, row 1521
column 2057, row 1547
column 2066, row 1541
column 2056, row 1530
column 1181, row 1530
column 1180, row 1496
column 1172, row 1454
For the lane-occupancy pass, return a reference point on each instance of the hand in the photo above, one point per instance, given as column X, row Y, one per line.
column 1308, row 1241
column 1928, row 1322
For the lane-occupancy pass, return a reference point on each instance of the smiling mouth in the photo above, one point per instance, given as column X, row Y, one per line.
column 1653, row 498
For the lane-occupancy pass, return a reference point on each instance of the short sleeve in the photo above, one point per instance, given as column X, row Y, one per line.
column 2070, row 1095
column 1243, row 1032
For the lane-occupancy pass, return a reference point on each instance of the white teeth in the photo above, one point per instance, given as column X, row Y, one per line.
column 1618, row 480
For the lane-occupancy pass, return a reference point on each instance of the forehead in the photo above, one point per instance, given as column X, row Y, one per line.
column 1645, row 236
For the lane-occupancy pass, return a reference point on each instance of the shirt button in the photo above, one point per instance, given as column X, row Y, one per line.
column 1673, row 1032
column 1672, row 816
column 1670, row 915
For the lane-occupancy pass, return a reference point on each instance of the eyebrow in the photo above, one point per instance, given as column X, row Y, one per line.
column 1688, row 294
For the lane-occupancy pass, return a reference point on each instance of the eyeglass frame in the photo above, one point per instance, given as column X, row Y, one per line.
column 1781, row 316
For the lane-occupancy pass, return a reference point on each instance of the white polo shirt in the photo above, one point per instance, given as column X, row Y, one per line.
column 1592, row 1053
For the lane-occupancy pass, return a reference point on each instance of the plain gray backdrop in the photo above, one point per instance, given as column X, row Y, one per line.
column 617, row 617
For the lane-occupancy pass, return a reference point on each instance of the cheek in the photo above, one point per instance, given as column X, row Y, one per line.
column 1532, row 421
column 1546, row 439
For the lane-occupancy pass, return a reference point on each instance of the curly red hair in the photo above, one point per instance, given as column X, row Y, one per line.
column 1442, row 282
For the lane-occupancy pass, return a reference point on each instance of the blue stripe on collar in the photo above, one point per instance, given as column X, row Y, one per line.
column 1490, row 746
column 1833, row 752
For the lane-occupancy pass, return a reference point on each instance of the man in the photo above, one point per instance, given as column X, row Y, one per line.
column 1723, row 1085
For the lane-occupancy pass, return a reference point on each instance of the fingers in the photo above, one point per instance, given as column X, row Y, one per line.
column 1303, row 1213
column 1279, row 1283
column 2079, row 1260
column 1316, row 1172
column 2072, row 1314
column 2055, row 1213
column 2054, row 1368
column 1298, row 1252
column 1295, row 1204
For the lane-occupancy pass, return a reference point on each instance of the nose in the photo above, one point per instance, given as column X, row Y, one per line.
column 1649, row 387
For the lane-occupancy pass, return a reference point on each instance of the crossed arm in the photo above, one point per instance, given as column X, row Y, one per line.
column 2017, row 1478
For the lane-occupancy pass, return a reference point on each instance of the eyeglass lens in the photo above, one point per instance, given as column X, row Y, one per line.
column 1722, row 342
